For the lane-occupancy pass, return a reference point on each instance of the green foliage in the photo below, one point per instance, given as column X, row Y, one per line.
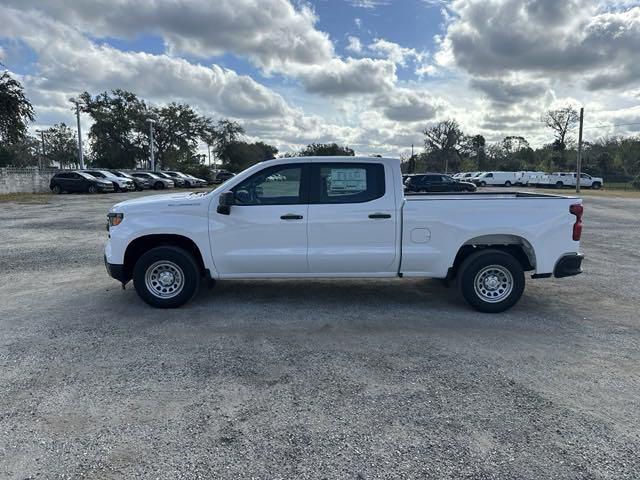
column 636, row 182
column 326, row 150
column 116, row 135
column 16, row 111
column 240, row 155
column 22, row 153
column 61, row 145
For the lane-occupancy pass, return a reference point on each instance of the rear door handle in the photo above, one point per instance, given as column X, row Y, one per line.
column 380, row 215
column 291, row 216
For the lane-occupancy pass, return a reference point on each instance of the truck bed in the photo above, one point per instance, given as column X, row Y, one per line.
column 480, row 195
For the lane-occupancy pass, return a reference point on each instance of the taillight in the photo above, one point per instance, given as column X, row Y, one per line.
column 577, row 209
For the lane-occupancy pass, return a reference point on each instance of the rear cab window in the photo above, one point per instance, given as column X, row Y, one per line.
column 343, row 182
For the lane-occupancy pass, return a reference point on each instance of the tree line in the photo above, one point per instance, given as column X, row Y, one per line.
column 448, row 149
column 119, row 138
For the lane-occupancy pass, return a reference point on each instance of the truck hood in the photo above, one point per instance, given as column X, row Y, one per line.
column 157, row 202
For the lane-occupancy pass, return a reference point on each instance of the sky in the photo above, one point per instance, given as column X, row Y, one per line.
column 370, row 74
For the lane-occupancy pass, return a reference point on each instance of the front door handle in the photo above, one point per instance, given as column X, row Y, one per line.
column 291, row 216
column 380, row 215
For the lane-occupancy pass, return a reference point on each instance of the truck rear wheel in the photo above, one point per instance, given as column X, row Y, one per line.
column 491, row 281
column 166, row 277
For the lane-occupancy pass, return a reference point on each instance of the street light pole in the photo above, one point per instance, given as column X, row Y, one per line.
column 209, row 148
column 579, row 162
column 80, row 156
column 153, row 162
column 44, row 153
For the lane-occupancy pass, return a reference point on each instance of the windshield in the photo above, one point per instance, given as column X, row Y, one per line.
column 86, row 175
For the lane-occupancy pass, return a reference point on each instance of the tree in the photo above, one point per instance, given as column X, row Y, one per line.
column 62, row 146
column 561, row 121
column 241, row 155
column 222, row 135
column 16, row 110
column 22, row 153
column 118, row 132
column 326, row 150
column 443, row 142
column 177, row 131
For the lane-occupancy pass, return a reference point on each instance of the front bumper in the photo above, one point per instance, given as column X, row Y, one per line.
column 568, row 265
column 116, row 271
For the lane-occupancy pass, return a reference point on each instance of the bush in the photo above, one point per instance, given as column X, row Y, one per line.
column 636, row 182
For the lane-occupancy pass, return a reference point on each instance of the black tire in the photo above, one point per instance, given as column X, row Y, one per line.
column 507, row 183
column 473, row 267
column 186, row 265
column 483, row 184
column 92, row 189
column 116, row 187
column 57, row 189
column 559, row 184
column 596, row 186
column 423, row 190
column 158, row 185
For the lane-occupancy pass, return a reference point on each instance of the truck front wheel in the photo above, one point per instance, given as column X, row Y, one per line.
column 491, row 281
column 166, row 277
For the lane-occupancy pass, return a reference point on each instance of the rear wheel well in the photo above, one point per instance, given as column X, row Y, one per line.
column 143, row 244
column 516, row 246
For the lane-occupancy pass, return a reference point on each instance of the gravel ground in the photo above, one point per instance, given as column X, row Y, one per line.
column 315, row 379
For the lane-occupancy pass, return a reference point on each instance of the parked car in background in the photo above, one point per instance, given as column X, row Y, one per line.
column 120, row 184
column 177, row 181
column 79, row 182
column 140, row 183
column 157, row 182
column 495, row 178
column 568, row 179
column 189, row 181
column 436, row 182
column 221, row 176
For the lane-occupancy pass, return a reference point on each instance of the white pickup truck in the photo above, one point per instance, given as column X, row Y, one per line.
column 341, row 217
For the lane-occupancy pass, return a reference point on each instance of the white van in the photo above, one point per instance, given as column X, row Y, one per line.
column 526, row 177
column 495, row 179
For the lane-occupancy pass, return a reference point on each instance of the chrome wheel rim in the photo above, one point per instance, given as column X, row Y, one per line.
column 164, row 279
column 493, row 283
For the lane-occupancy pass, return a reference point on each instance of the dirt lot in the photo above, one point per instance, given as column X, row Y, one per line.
column 313, row 379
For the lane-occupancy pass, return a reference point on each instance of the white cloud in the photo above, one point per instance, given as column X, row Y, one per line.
column 558, row 40
column 395, row 52
column 339, row 78
column 406, row 105
column 354, row 45
column 269, row 32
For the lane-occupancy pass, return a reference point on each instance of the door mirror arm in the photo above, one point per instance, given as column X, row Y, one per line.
column 225, row 201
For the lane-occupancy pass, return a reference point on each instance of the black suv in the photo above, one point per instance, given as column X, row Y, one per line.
column 78, row 182
column 436, row 182
column 222, row 176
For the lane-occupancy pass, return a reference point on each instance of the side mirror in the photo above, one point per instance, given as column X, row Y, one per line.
column 225, row 201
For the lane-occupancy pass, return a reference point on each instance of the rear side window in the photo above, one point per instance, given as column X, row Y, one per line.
column 346, row 182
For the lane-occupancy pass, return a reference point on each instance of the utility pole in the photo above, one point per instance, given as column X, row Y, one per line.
column 153, row 162
column 44, row 152
column 80, row 157
column 209, row 148
column 579, row 166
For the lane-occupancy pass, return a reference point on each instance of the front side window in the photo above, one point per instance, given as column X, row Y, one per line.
column 347, row 182
column 279, row 185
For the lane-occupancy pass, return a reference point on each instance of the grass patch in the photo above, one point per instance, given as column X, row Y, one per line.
column 37, row 198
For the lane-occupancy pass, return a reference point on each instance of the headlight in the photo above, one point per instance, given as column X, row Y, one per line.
column 115, row 219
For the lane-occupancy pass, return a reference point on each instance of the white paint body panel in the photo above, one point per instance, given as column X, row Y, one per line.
column 422, row 237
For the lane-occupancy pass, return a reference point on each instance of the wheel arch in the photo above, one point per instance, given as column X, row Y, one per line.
column 517, row 246
column 140, row 245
